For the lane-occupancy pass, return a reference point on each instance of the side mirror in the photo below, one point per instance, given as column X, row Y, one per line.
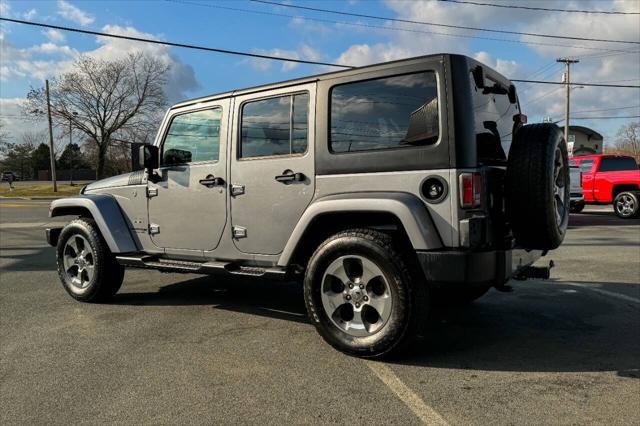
column 148, row 158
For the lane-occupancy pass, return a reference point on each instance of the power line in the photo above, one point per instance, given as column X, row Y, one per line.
column 546, row 9
column 626, row 86
column 360, row 15
column 380, row 27
column 608, row 117
column 168, row 43
column 608, row 109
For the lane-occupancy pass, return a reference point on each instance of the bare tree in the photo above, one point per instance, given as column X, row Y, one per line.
column 628, row 140
column 109, row 98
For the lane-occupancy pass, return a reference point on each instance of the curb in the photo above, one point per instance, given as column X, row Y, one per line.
column 34, row 198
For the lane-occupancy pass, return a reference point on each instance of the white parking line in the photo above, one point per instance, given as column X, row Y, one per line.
column 425, row 413
column 605, row 292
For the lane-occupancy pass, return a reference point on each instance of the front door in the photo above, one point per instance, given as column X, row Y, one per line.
column 187, row 206
column 272, row 167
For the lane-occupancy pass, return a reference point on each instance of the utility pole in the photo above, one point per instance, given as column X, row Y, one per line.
column 51, row 153
column 567, row 81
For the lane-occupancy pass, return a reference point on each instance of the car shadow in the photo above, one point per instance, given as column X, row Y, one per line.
column 599, row 218
column 540, row 328
column 274, row 299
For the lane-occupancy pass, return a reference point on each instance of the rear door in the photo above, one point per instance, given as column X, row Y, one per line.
column 586, row 167
column 187, row 206
column 272, row 167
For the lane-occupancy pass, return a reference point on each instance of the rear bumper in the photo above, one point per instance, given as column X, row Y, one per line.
column 469, row 267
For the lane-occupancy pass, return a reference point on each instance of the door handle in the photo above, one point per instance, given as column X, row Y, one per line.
column 211, row 180
column 289, row 176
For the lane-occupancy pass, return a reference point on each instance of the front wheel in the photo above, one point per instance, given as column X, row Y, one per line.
column 364, row 297
column 626, row 205
column 86, row 266
column 577, row 207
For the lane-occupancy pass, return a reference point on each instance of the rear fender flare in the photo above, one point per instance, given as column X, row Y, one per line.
column 410, row 211
column 105, row 211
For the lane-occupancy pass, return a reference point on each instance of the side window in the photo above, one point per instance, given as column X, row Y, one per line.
column 586, row 166
column 275, row 126
column 617, row 164
column 194, row 136
column 385, row 113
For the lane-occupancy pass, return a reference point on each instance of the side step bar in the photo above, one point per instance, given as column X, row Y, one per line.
column 211, row 268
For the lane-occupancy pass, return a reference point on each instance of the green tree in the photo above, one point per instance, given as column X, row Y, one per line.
column 72, row 158
column 17, row 158
column 40, row 159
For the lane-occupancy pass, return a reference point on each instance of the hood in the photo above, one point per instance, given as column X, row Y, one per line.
column 133, row 178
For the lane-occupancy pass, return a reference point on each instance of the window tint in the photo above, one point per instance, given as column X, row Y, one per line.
column 385, row 113
column 586, row 165
column 617, row 164
column 275, row 126
column 194, row 136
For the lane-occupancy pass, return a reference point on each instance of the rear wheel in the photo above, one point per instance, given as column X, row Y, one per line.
column 363, row 294
column 626, row 205
column 86, row 266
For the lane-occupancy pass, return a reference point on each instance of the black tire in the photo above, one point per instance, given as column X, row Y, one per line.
column 107, row 275
column 537, row 186
column 406, row 287
column 577, row 208
column 448, row 296
column 626, row 205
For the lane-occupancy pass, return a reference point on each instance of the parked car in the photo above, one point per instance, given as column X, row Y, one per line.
column 575, row 192
column 9, row 176
column 380, row 188
column 611, row 179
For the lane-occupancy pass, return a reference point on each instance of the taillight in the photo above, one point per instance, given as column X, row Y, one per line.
column 470, row 190
column 520, row 118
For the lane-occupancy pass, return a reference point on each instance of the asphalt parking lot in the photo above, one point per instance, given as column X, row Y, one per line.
column 176, row 349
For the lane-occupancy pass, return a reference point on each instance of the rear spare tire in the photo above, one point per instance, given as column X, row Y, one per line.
column 537, row 186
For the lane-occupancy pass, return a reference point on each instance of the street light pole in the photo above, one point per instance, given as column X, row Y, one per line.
column 51, row 153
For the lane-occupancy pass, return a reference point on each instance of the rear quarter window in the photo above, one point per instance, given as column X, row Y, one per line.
column 385, row 113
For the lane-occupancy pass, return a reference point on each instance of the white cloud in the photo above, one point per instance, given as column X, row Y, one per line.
column 304, row 52
column 55, row 36
column 508, row 68
column 5, row 9
column 73, row 13
column 30, row 14
column 17, row 122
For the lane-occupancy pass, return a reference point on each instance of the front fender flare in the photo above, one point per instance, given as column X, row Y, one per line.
column 107, row 214
column 409, row 210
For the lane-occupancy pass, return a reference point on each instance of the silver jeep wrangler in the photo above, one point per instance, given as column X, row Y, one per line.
column 382, row 188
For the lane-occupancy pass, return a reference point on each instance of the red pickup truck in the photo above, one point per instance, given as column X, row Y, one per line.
column 610, row 179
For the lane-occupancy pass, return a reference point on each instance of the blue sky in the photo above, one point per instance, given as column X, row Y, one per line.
column 31, row 54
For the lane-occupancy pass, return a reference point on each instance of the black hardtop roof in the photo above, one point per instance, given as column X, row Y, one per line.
column 316, row 77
